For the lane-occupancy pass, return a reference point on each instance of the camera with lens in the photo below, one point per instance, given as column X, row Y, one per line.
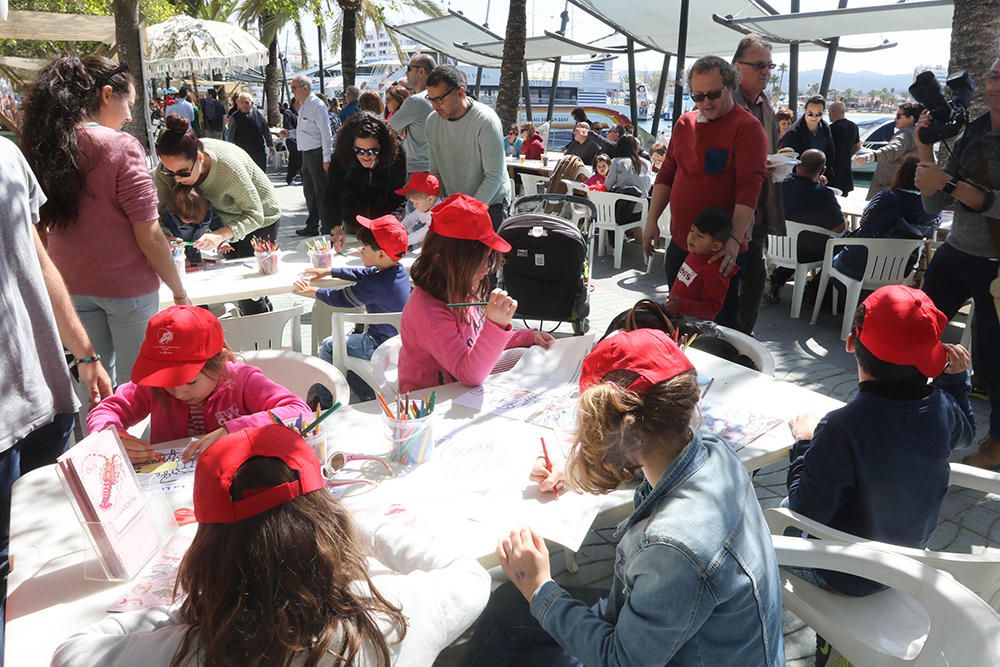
column 950, row 115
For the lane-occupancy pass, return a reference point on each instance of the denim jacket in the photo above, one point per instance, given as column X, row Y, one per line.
column 696, row 579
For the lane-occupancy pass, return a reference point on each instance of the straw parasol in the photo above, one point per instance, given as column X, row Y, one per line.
column 185, row 44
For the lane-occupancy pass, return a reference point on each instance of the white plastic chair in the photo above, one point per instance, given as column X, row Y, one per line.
column 783, row 251
column 363, row 368
column 925, row 618
column 263, row 331
column 751, row 347
column 385, row 367
column 297, row 372
column 886, row 265
column 533, row 184
column 663, row 223
column 605, row 203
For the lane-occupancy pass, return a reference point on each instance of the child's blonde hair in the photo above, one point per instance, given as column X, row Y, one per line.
column 615, row 424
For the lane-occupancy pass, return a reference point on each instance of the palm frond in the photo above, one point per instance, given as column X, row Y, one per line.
column 303, row 47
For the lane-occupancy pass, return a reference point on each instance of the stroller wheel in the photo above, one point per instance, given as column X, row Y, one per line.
column 581, row 326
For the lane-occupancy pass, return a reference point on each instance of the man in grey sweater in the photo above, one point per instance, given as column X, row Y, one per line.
column 465, row 142
column 410, row 119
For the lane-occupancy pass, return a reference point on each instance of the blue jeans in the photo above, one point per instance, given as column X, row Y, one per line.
column 359, row 346
column 508, row 634
column 37, row 449
column 953, row 277
column 729, row 316
column 117, row 328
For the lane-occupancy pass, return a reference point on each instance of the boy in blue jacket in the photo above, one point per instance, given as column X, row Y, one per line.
column 382, row 286
column 878, row 467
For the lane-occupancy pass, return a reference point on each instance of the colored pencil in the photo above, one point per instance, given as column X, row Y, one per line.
column 707, row 387
column 430, row 406
column 690, row 341
column 548, row 466
column 467, row 304
column 333, row 408
column 385, row 406
column 275, row 419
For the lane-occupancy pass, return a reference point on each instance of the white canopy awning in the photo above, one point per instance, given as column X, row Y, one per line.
column 443, row 33
column 899, row 17
column 58, row 27
column 552, row 45
column 654, row 23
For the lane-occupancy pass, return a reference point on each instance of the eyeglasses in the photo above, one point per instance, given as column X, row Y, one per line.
column 180, row 173
column 371, row 152
column 102, row 81
column 712, row 95
column 337, row 461
column 440, row 98
column 759, row 65
column 814, row 114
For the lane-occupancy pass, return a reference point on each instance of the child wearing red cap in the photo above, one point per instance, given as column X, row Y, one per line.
column 190, row 384
column 695, row 580
column 421, row 191
column 277, row 574
column 442, row 344
column 878, row 467
column 382, row 286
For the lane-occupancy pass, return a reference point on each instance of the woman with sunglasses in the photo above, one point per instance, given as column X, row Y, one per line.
column 241, row 195
column 811, row 131
column 100, row 221
column 367, row 168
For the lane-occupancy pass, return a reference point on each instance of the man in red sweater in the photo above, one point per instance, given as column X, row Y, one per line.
column 716, row 158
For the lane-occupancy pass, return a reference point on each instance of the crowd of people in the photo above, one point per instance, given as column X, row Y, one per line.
column 88, row 231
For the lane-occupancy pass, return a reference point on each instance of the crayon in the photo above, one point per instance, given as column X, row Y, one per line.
column 548, row 465
column 467, row 304
column 315, row 425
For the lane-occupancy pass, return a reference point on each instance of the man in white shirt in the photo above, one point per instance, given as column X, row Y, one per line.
column 181, row 106
column 315, row 144
column 409, row 119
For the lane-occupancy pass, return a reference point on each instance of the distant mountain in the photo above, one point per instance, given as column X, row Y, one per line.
column 860, row 82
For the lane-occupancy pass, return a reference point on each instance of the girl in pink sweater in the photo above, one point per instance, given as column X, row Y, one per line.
column 442, row 344
column 191, row 385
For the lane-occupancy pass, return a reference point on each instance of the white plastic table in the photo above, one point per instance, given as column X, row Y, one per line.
column 48, row 598
column 853, row 206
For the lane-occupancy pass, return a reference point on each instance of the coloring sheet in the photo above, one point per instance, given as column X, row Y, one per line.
column 154, row 586
column 737, row 427
column 172, row 473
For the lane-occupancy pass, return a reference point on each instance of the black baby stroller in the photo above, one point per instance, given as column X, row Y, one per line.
column 548, row 267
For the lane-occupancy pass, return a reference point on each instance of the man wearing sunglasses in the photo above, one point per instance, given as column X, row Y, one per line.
column 716, row 158
column 753, row 61
column 465, row 143
column 410, row 119
column 811, row 131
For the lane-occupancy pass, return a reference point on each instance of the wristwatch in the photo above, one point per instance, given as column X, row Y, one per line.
column 950, row 186
column 92, row 359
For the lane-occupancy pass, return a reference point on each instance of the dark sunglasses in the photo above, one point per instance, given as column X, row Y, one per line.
column 759, row 65
column 180, row 173
column 712, row 95
column 814, row 114
column 371, row 152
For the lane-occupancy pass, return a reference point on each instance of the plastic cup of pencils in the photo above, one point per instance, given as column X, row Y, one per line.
column 412, row 439
column 177, row 253
column 321, row 259
column 267, row 262
column 317, row 438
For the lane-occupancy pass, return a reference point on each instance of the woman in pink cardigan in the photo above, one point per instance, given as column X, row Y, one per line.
column 191, row 384
column 442, row 344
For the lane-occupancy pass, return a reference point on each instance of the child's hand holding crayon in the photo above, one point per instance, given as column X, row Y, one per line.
column 303, row 288
column 959, row 359
column 549, row 481
column 139, row 451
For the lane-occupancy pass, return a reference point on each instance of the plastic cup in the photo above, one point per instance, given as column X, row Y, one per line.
column 318, row 441
column 178, row 258
column 267, row 262
column 412, row 439
column 321, row 259
column 521, row 159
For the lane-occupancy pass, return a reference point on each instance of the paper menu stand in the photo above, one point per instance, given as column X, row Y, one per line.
column 116, row 515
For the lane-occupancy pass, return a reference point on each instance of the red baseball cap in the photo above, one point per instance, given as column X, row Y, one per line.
column 902, row 326
column 464, row 217
column 649, row 352
column 421, row 181
column 179, row 340
column 217, row 465
column 389, row 233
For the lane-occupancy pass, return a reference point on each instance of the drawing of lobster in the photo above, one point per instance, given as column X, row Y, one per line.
column 111, row 473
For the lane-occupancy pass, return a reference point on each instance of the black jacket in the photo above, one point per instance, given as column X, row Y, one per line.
column 354, row 190
column 801, row 139
column 250, row 132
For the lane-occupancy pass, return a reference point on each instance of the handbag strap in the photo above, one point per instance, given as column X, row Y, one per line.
column 652, row 307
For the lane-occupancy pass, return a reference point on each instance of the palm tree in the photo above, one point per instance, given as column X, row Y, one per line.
column 975, row 32
column 126, row 14
column 782, row 68
column 352, row 24
column 512, row 65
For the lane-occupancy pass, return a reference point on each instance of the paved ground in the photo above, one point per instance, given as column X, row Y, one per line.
column 811, row 356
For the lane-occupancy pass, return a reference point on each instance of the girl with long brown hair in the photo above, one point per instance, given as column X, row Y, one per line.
column 443, row 344
column 277, row 575
column 695, row 578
